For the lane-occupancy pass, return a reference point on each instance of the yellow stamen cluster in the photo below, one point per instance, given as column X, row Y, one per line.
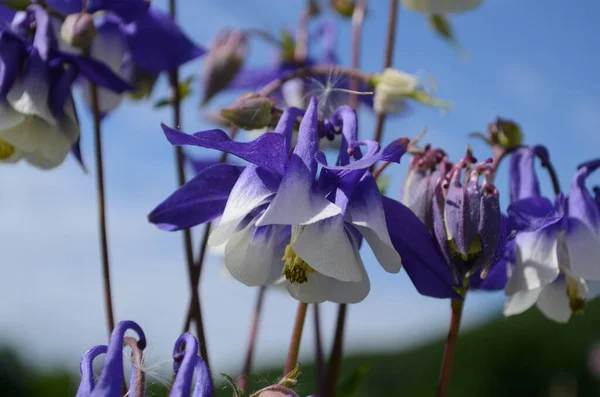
column 6, row 150
column 295, row 269
column 576, row 302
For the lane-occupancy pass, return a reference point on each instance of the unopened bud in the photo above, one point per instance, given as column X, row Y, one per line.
column 508, row 133
column 250, row 111
column 344, row 7
column 275, row 391
column 224, row 60
column 78, row 30
column 392, row 88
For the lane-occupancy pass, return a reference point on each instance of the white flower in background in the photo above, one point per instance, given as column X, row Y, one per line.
column 392, row 88
column 441, row 6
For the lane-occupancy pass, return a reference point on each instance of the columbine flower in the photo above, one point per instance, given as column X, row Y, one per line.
column 393, row 88
column 549, row 248
column 466, row 219
column 38, row 119
column 441, row 6
column 138, row 43
column 186, row 364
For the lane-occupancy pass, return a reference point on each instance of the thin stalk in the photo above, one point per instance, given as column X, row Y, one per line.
column 448, row 359
column 110, row 319
column 388, row 58
column 292, row 358
column 358, row 17
column 319, row 364
column 335, row 361
column 187, row 234
column 254, row 326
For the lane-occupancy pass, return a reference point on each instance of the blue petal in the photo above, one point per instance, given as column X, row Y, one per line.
column 420, row 255
column 66, row 7
column 582, row 205
column 86, row 367
column 523, row 178
column 531, row 214
column 253, row 79
column 157, row 44
column 200, row 200
column 12, row 57
column 97, row 72
column 111, row 377
column 127, row 10
column 6, row 14
column 185, row 364
column 43, row 40
column 267, row 151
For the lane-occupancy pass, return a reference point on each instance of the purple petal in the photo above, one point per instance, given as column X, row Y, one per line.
column 253, row 79
column 60, row 89
column 532, row 214
column 267, row 151
column 6, row 14
column 200, row 200
column 497, row 276
column 523, row 179
column 582, row 205
column 127, row 10
column 184, row 365
column 43, row 40
column 457, row 215
column 420, row 255
column 86, row 367
column 97, row 72
column 286, row 124
column 111, row 377
column 157, row 44
column 76, row 151
column 440, row 231
column 12, row 57
column 308, row 140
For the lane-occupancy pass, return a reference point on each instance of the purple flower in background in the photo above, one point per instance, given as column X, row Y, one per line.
column 186, row 364
column 551, row 257
column 38, row 119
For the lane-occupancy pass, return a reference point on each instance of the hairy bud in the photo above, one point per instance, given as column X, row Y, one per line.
column 78, row 30
column 250, row 111
column 344, row 8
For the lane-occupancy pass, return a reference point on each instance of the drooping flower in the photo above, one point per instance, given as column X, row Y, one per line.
column 38, row 119
column 549, row 245
column 441, row 6
column 187, row 364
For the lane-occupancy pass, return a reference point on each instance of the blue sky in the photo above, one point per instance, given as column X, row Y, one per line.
column 536, row 66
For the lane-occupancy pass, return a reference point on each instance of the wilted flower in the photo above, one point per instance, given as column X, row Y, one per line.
column 467, row 219
column 78, row 30
column 393, row 88
column 186, row 364
column 224, row 60
column 441, row 6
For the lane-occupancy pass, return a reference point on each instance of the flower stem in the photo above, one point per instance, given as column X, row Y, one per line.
column 388, row 57
column 319, row 364
column 335, row 360
column 110, row 319
column 254, row 325
column 292, row 358
column 196, row 309
column 448, row 358
column 358, row 17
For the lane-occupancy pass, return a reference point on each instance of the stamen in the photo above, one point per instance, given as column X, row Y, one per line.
column 295, row 270
column 6, row 150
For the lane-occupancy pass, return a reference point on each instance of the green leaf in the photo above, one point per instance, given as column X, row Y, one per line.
column 17, row 5
column 185, row 90
column 291, row 379
column 382, row 183
column 233, row 384
column 352, row 382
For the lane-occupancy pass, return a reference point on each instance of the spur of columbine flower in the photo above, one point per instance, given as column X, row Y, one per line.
column 549, row 254
column 38, row 119
column 186, row 364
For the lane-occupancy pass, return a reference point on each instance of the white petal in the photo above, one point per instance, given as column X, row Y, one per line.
column 320, row 288
column 554, row 302
column 441, row 6
column 29, row 95
column 293, row 93
column 366, row 211
column 253, row 255
column 295, row 203
column 584, row 250
column 328, row 248
column 521, row 301
column 9, row 117
column 248, row 193
column 537, row 261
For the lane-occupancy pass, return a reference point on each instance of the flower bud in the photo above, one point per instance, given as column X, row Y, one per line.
column 392, row 88
column 78, row 30
column 508, row 133
column 275, row 391
column 344, row 8
column 467, row 219
column 250, row 111
column 224, row 60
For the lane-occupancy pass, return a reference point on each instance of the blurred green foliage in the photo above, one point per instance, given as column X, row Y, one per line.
column 525, row 355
